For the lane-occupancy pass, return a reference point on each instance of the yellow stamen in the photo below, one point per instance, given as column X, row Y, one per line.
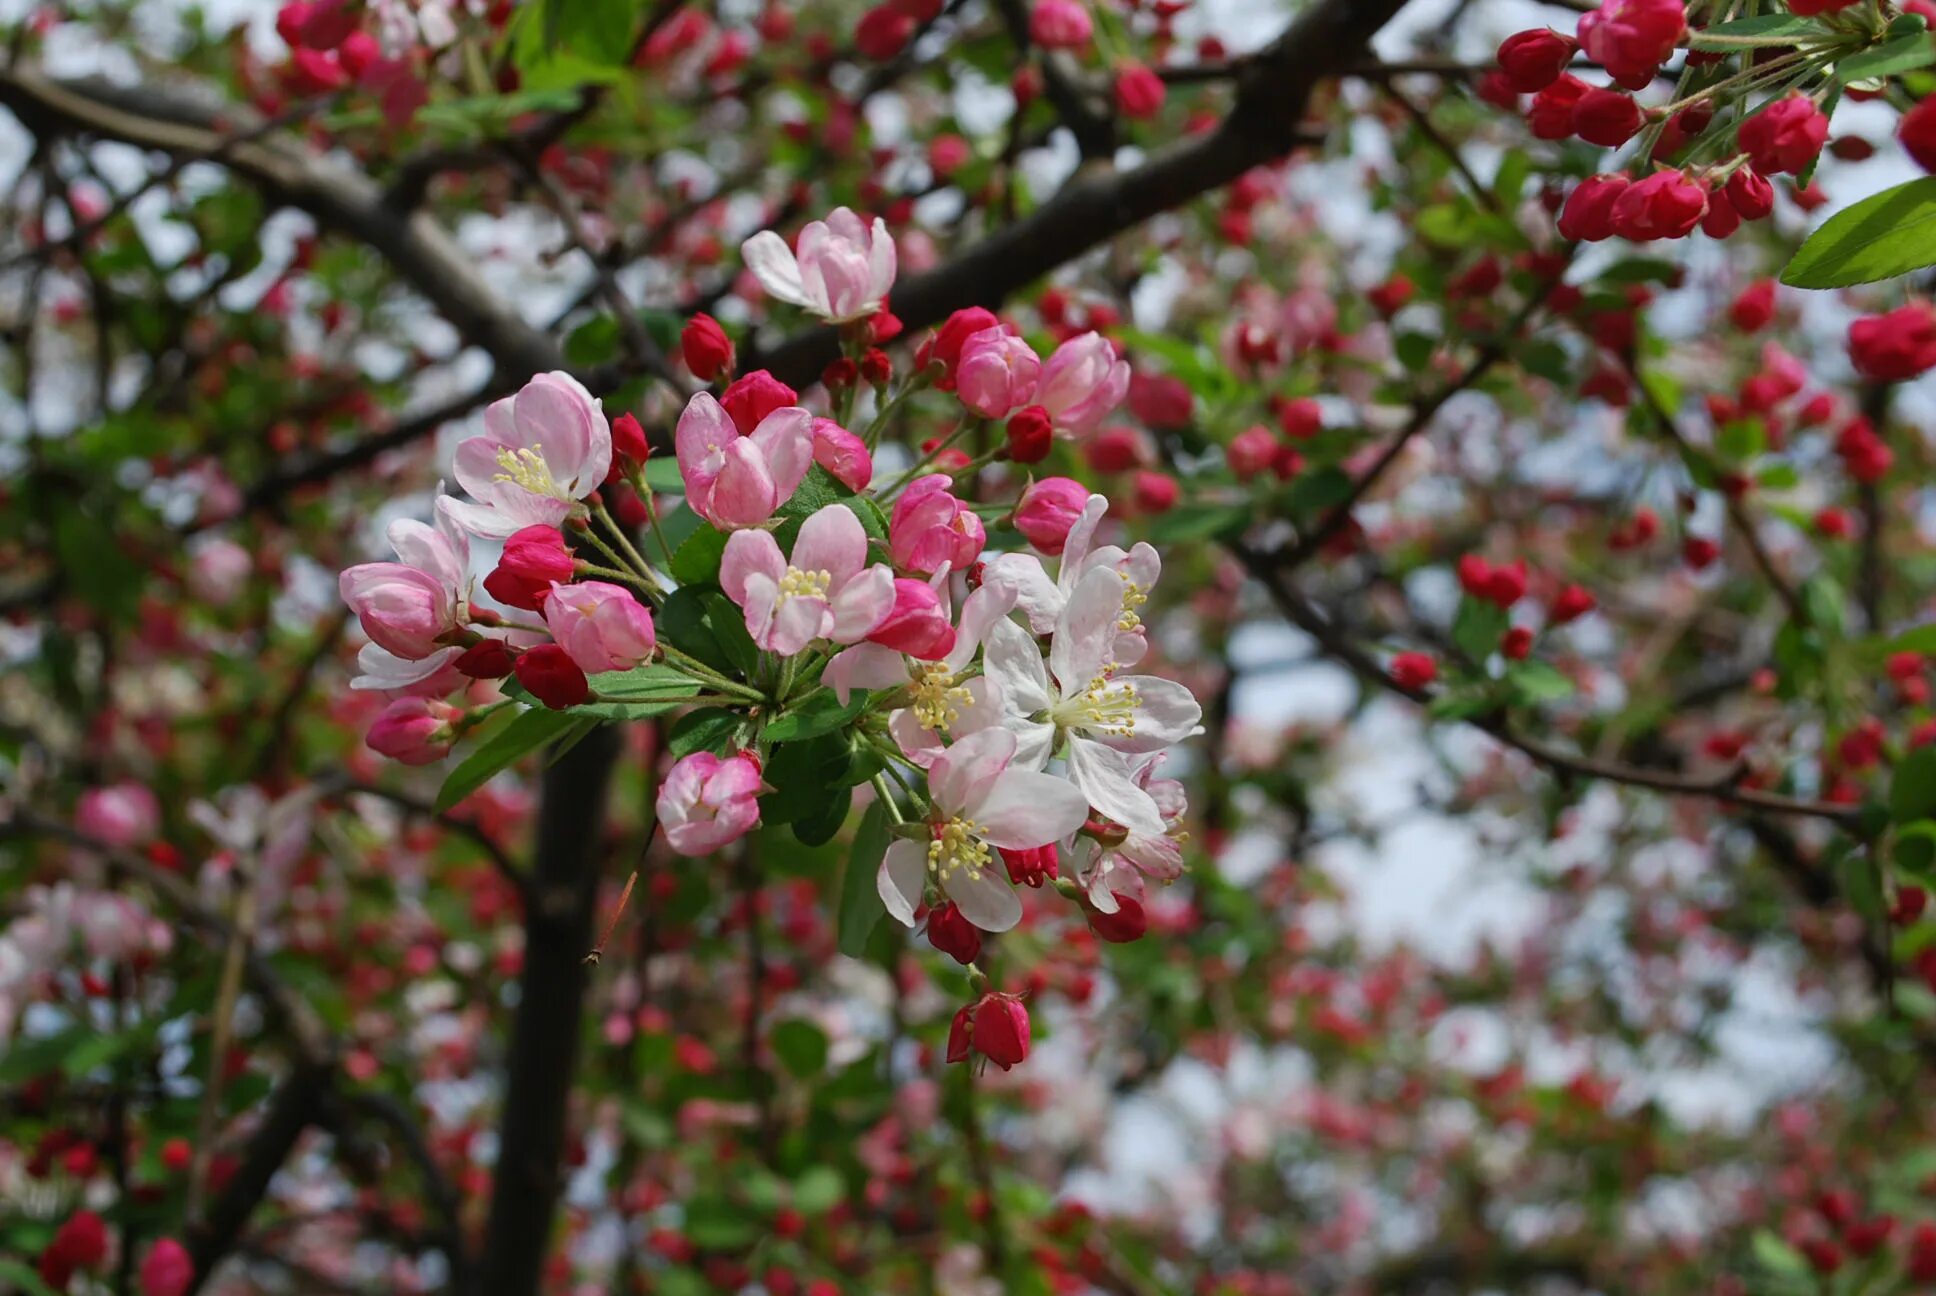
column 809, row 584
column 957, row 846
column 1133, row 598
column 526, row 468
column 937, row 698
column 1106, row 707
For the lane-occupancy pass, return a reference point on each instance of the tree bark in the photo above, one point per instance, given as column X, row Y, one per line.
column 545, row 1034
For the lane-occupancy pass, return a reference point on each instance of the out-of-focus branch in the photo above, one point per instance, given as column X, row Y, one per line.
column 419, row 249
column 1265, row 123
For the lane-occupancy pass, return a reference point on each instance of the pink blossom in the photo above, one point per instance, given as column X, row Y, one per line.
column 918, row 624
column 1047, row 509
column 930, row 528
column 542, row 451
column 414, row 731
column 600, row 625
column 121, row 814
column 826, row 590
column 1081, row 383
column 841, row 271
column 734, row 480
column 842, row 454
column 218, row 571
column 1060, row 24
column 980, row 805
column 997, row 373
column 707, row 802
column 408, row 607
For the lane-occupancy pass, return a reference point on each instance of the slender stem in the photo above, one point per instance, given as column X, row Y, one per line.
column 886, row 796
column 900, row 483
column 625, row 541
column 707, row 675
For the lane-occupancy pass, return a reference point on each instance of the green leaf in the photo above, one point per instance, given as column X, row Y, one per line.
column 821, row 823
column 1919, row 639
column 1537, row 681
column 818, row 1190
column 644, row 684
column 1915, row 848
column 1769, row 27
column 1863, row 886
column 704, row 729
column 1478, row 626
column 662, row 475
column 820, row 713
column 1888, row 234
column 1777, row 1256
column 23, row 1278
column 860, row 900
column 1904, row 54
column 1912, row 793
column 526, row 733
column 728, row 625
column 696, row 562
column 801, row 1047
column 1192, row 522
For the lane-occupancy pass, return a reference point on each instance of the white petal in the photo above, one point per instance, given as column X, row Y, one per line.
column 1015, row 663
column 1086, row 634
column 1166, row 713
column 864, row 666
column 963, row 773
column 1105, row 778
column 1023, row 809
column 1039, row 598
column 903, row 873
column 771, row 261
column 984, row 897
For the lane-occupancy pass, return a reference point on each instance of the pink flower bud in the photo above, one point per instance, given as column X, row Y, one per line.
column 533, row 560
column 1081, row 383
column 943, row 347
column 1001, row 1030
column 1139, row 92
column 953, row 934
column 123, row 814
column 707, row 802
column 931, row 527
column 842, row 454
column 707, row 350
column 1533, row 60
column 1785, row 136
column 997, row 373
column 1060, row 24
column 414, row 731
column 167, row 1270
column 600, row 625
column 750, row 399
column 218, row 571
column 1046, row 511
column 550, row 675
column 918, row 625
column 1251, row 451
column 1896, row 346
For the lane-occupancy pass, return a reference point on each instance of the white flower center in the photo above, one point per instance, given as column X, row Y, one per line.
column 526, row 468
column 804, row 584
column 937, row 698
column 1106, row 707
column 957, row 846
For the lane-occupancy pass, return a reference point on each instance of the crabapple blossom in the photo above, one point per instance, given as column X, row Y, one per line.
column 409, row 608
column 121, row 814
column 543, row 450
column 997, row 373
column 840, row 270
column 824, row 590
column 601, row 625
column 736, row 480
column 707, row 802
column 981, row 802
column 1081, row 383
column 414, row 731
column 930, row 528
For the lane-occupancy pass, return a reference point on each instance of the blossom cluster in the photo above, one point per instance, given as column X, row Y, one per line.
column 989, row 698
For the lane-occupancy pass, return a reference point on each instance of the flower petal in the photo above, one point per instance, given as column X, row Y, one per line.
column 1166, row 713
column 1024, row 809
column 962, row 774
column 984, row 897
column 832, row 541
column 771, row 261
column 863, row 604
column 1105, row 777
column 903, row 874
column 748, row 552
column 1086, row 633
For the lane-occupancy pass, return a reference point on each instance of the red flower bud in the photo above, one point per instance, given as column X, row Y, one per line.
column 706, row 348
column 954, row 935
column 1533, row 60
column 550, row 675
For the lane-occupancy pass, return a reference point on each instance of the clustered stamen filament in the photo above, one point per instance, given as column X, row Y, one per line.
column 1133, row 598
column 804, row 584
column 957, row 846
column 526, row 468
column 1106, row 707
column 937, row 699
